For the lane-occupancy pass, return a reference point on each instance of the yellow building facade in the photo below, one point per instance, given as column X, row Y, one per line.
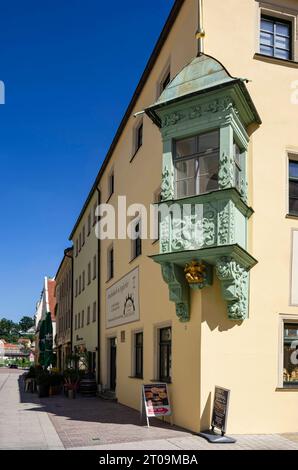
column 245, row 355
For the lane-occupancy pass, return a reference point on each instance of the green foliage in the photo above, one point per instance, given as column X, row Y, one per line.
column 26, row 323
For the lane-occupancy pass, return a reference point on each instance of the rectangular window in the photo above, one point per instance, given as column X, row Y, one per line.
column 111, row 183
column 94, row 312
column 110, row 263
column 94, row 267
column 76, row 322
column 77, row 247
column 165, row 354
column 276, row 37
column 80, row 284
column 139, row 355
column 293, row 187
column 94, row 216
column 196, row 161
column 80, row 241
column 89, row 224
column 139, row 136
column 83, row 280
column 79, row 320
column 77, row 290
column 89, row 273
column 290, row 370
column 83, row 319
column 83, row 235
column 137, row 242
column 237, row 161
column 165, row 81
column 88, row 314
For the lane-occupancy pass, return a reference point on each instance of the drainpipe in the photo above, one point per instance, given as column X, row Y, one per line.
column 98, row 300
column 200, row 34
column 72, row 291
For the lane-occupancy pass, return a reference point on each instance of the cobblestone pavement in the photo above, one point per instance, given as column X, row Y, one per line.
column 27, row 422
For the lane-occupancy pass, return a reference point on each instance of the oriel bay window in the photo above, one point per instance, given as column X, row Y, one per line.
column 165, row 354
column 290, row 370
column 196, row 161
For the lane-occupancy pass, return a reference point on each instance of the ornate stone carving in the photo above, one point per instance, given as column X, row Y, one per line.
column 209, row 228
column 164, row 236
column 167, row 185
column 182, row 311
column 172, row 119
column 234, row 281
column 225, row 225
column 243, row 189
column 226, row 171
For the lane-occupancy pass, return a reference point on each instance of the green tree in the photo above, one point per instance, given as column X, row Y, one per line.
column 26, row 323
column 7, row 328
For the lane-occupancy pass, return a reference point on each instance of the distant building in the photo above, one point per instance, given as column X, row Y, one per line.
column 12, row 351
column 46, row 303
column 64, row 308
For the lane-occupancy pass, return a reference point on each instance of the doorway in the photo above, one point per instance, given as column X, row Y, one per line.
column 113, row 360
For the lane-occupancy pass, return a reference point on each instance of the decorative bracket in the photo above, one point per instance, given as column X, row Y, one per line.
column 178, row 289
column 234, row 284
column 198, row 274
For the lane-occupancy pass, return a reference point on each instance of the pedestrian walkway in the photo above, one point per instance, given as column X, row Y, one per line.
column 27, row 422
column 21, row 427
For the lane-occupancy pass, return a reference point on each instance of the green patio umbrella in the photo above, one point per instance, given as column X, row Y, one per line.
column 41, row 343
column 48, row 329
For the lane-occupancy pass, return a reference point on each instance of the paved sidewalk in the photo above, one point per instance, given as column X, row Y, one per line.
column 20, row 427
column 27, row 422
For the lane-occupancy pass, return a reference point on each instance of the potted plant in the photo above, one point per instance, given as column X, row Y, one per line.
column 55, row 382
column 43, row 384
column 71, row 382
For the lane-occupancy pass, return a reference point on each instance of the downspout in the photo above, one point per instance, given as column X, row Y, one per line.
column 98, row 300
column 71, row 296
column 200, row 34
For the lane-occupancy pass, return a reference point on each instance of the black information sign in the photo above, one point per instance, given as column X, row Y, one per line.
column 220, row 409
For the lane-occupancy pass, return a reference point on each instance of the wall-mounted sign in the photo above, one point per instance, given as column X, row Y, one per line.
column 155, row 399
column 122, row 300
column 220, row 409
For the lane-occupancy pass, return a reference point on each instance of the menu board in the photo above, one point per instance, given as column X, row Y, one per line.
column 156, row 400
column 220, row 408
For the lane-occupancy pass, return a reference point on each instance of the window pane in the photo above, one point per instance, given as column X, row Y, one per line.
column 208, row 179
column 281, row 54
column 293, row 169
column 208, row 142
column 293, row 189
column 266, row 50
column 282, row 43
column 267, row 25
column 165, row 334
column 290, row 372
column 283, row 29
column 293, row 206
column 267, row 39
column 186, row 188
column 186, row 169
column 185, row 147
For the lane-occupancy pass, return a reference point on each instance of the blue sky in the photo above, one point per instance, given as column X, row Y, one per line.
column 70, row 68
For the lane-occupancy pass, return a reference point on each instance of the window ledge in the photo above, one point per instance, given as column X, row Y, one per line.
column 133, row 259
column 159, row 381
column 275, row 60
column 110, row 279
column 294, row 388
column 291, row 216
column 135, row 377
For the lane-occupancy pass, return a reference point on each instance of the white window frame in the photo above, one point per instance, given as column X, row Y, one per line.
column 133, row 356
